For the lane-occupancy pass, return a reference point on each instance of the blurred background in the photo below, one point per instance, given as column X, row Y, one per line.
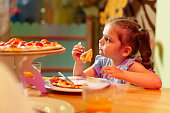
column 71, row 21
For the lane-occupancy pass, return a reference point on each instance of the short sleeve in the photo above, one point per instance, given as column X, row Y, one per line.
column 126, row 64
column 98, row 61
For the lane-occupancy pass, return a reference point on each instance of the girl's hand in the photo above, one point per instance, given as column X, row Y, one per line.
column 77, row 51
column 111, row 71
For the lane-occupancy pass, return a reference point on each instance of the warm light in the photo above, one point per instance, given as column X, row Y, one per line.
column 43, row 10
column 43, row 21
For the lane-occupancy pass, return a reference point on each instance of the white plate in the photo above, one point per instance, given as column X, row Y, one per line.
column 50, row 105
column 76, row 80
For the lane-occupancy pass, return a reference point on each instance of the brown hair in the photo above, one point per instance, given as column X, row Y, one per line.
column 135, row 37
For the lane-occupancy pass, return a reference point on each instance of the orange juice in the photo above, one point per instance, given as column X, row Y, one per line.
column 96, row 105
column 28, row 74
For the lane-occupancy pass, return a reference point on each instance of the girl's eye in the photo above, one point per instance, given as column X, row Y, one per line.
column 107, row 39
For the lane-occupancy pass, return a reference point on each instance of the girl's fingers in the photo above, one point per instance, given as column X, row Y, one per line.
column 76, row 53
column 110, row 76
column 105, row 69
column 107, row 72
column 79, row 46
column 76, row 49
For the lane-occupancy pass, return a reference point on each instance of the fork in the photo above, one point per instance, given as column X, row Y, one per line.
column 66, row 78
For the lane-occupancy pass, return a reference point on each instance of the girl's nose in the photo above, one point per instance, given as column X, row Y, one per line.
column 101, row 41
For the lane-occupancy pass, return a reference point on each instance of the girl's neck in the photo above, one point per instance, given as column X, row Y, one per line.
column 117, row 62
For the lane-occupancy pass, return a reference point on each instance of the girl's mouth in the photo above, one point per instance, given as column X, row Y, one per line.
column 100, row 49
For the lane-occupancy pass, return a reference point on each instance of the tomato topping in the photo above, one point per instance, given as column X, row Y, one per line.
column 45, row 41
column 15, row 43
column 54, row 43
column 2, row 43
column 22, row 43
column 11, row 45
column 38, row 44
column 29, row 44
column 7, row 43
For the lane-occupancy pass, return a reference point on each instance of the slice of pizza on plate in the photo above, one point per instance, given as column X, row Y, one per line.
column 60, row 82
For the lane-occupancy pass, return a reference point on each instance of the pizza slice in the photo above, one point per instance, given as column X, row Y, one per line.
column 87, row 56
column 59, row 82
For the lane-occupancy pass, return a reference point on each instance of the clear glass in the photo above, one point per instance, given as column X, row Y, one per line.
column 98, row 95
column 37, row 66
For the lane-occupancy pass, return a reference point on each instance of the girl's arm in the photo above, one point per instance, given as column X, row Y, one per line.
column 78, row 69
column 78, row 65
column 140, row 76
column 137, row 74
column 90, row 72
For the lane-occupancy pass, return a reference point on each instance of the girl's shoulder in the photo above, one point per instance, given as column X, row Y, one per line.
column 128, row 63
column 137, row 66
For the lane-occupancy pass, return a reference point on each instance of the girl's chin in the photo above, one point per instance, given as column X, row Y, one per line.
column 101, row 53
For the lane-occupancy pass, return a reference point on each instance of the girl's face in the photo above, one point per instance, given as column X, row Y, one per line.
column 109, row 45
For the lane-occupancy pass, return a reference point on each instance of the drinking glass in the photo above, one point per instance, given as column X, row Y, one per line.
column 98, row 95
column 37, row 66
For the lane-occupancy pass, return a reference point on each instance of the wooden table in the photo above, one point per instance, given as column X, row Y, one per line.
column 128, row 99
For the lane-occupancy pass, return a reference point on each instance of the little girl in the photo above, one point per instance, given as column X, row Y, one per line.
column 122, row 39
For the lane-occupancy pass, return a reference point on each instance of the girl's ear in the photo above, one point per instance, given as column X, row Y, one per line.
column 126, row 51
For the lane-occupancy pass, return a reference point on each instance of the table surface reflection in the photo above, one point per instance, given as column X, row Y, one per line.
column 128, row 99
